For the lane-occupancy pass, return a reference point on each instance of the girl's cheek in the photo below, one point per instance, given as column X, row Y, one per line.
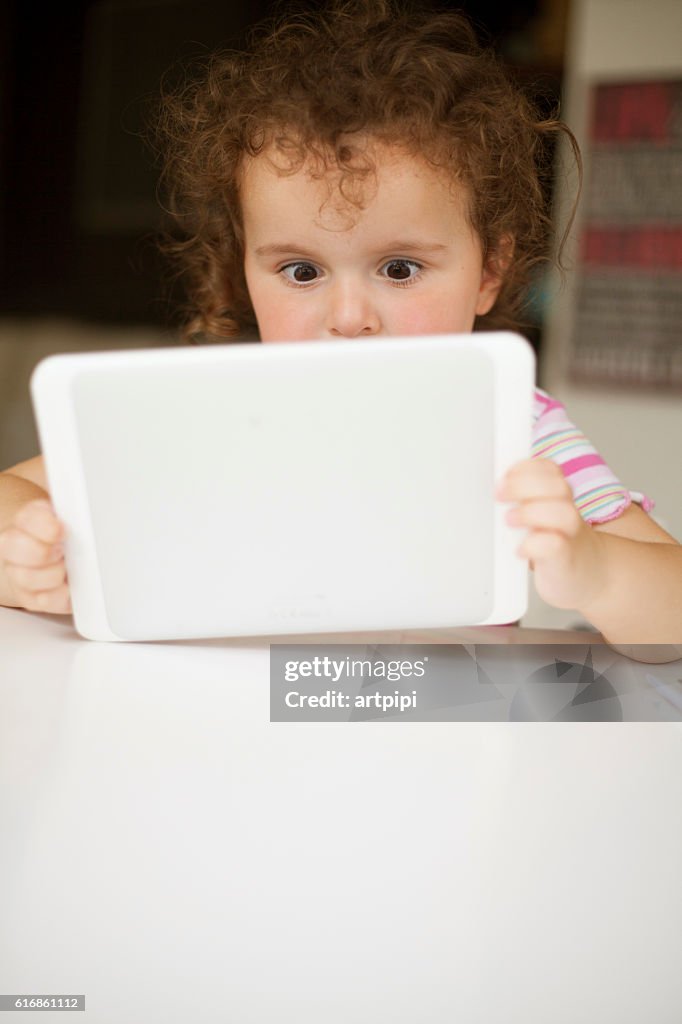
column 295, row 325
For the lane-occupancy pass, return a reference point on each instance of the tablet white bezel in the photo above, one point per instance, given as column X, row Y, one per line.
column 514, row 365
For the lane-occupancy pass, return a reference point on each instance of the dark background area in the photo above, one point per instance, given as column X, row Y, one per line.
column 78, row 214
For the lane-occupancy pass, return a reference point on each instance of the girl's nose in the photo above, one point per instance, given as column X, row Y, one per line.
column 351, row 312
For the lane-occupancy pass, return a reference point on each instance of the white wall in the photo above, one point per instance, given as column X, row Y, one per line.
column 638, row 432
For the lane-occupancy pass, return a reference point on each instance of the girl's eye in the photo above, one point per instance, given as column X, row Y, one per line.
column 302, row 273
column 398, row 271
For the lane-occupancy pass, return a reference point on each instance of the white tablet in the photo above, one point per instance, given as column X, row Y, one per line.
column 248, row 489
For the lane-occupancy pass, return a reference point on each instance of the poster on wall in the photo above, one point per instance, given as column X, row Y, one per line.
column 628, row 324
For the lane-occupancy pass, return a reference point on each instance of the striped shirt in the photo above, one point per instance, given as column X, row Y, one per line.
column 599, row 495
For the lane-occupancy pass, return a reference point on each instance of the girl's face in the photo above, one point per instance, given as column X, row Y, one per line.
column 408, row 263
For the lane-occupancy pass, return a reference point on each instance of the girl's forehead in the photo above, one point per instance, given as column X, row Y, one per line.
column 369, row 165
column 404, row 198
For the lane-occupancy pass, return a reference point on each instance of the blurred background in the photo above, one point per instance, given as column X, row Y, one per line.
column 79, row 207
column 79, row 269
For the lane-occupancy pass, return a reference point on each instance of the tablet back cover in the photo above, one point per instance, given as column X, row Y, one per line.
column 244, row 489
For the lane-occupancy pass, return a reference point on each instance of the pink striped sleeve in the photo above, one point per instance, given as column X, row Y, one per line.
column 599, row 495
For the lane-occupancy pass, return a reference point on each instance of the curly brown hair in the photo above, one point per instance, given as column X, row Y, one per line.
column 411, row 77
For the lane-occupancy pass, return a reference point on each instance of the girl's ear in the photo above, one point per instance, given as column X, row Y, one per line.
column 492, row 274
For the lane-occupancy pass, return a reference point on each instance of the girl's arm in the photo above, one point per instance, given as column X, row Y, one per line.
column 644, row 569
column 624, row 576
column 32, row 570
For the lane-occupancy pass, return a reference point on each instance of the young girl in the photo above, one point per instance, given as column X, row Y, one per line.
column 371, row 171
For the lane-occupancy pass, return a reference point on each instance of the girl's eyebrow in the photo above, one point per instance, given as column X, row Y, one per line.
column 281, row 250
column 400, row 245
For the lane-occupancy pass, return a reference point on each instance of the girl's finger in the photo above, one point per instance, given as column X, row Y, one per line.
column 38, row 518
column 34, row 580
column 56, row 602
column 20, row 548
column 533, row 479
column 544, row 545
column 556, row 514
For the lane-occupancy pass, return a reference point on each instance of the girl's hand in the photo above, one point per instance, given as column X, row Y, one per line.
column 32, row 555
column 565, row 553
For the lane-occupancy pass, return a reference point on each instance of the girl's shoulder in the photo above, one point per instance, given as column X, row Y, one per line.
column 544, row 404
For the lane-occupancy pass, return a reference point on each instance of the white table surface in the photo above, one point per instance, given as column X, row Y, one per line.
column 170, row 853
